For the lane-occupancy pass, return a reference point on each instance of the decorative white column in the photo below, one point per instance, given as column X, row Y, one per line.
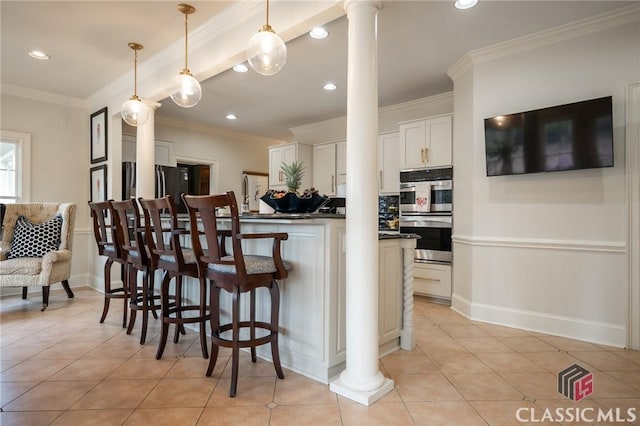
column 407, row 336
column 145, row 154
column 362, row 381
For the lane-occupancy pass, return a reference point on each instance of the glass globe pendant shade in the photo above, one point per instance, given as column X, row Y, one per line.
column 134, row 112
column 185, row 90
column 266, row 52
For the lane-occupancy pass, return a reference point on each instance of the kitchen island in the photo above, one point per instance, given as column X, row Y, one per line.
column 312, row 298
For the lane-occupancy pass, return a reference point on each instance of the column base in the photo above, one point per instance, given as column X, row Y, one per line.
column 363, row 397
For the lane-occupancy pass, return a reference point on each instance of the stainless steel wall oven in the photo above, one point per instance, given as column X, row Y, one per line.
column 426, row 206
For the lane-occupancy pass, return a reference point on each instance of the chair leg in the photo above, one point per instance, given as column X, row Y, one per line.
column 235, row 351
column 214, row 304
column 164, row 300
column 45, row 297
column 275, row 312
column 24, row 292
column 151, row 293
column 107, row 289
column 67, row 289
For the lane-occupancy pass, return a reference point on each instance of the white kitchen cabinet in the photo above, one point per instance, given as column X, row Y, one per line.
column 324, row 168
column 432, row 279
column 426, row 142
column 389, row 163
column 287, row 154
column 390, row 290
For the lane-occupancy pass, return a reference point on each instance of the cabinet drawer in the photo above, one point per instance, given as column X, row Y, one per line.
column 432, row 280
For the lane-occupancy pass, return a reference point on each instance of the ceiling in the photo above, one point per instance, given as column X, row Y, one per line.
column 418, row 41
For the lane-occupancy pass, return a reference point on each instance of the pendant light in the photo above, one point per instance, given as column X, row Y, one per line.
column 133, row 111
column 185, row 90
column 266, row 52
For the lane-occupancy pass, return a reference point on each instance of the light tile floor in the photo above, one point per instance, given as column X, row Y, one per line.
column 62, row 367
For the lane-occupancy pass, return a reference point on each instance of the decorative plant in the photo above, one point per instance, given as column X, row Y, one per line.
column 293, row 175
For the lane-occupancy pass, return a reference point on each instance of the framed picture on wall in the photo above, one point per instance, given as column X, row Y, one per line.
column 254, row 186
column 99, row 136
column 98, row 181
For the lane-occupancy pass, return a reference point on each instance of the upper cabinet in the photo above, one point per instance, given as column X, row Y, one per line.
column 324, row 168
column 341, row 163
column 389, row 163
column 287, row 154
column 426, row 142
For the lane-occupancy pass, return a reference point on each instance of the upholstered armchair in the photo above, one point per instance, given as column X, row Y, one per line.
column 35, row 248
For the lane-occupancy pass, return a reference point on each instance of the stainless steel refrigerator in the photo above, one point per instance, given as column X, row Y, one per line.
column 168, row 180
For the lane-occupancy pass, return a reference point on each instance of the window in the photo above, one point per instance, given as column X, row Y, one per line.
column 15, row 155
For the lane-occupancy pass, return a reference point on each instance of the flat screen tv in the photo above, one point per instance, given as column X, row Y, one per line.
column 563, row 137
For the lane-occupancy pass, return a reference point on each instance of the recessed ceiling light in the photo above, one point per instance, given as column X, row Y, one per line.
column 318, row 33
column 231, row 117
column 330, row 86
column 465, row 4
column 37, row 54
column 241, row 68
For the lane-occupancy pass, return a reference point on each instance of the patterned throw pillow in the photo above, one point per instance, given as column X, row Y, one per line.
column 31, row 240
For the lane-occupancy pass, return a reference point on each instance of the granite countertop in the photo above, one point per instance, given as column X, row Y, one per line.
column 292, row 216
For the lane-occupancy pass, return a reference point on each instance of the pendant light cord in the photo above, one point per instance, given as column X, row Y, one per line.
column 267, row 12
column 186, row 33
column 135, row 73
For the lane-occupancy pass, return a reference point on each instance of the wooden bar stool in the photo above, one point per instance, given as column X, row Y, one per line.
column 176, row 262
column 236, row 273
column 104, row 233
column 130, row 235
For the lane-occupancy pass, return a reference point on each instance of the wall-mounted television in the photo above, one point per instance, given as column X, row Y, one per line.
column 563, row 137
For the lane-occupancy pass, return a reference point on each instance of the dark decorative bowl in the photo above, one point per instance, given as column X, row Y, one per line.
column 293, row 203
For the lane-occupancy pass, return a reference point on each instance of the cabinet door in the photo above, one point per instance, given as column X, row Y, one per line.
column 389, row 163
column 275, row 162
column 412, row 144
column 278, row 155
column 438, row 144
column 324, row 168
column 341, row 163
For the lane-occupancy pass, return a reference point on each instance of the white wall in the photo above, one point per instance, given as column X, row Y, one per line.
column 544, row 251
column 59, row 162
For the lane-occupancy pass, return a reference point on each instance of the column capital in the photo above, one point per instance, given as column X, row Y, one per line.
column 351, row 4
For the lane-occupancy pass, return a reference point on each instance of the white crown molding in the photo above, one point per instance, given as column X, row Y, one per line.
column 417, row 102
column 615, row 18
column 42, row 96
column 541, row 243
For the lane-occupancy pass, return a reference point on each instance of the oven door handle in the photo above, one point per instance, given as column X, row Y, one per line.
column 426, row 223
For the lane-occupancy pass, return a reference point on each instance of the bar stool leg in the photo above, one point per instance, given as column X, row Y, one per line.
column 214, row 305
column 203, row 321
column 164, row 300
column 146, row 300
column 107, row 290
column 235, row 350
column 178, row 302
column 275, row 312
column 252, row 322
column 132, row 276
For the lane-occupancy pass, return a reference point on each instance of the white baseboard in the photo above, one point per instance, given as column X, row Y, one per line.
column 557, row 325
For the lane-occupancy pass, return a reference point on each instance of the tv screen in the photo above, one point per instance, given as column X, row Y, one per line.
column 563, row 137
